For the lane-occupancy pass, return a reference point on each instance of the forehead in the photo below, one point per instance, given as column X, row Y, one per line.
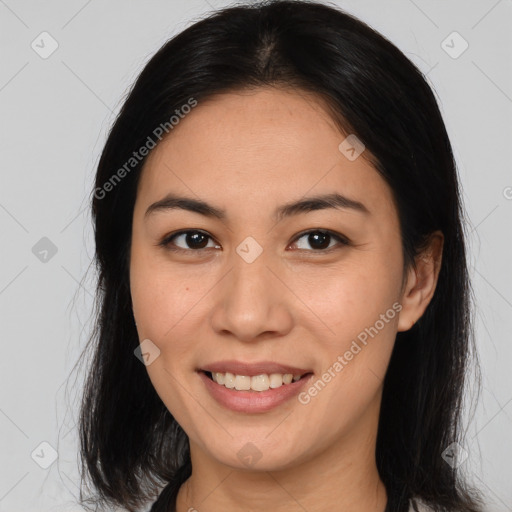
column 258, row 148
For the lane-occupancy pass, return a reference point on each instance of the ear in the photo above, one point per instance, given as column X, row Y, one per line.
column 421, row 282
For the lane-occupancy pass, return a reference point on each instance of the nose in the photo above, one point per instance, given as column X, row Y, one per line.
column 251, row 302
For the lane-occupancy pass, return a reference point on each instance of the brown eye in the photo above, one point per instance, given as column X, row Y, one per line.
column 320, row 240
column 192, row 240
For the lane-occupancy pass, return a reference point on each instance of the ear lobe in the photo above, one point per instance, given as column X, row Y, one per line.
column 421, row 282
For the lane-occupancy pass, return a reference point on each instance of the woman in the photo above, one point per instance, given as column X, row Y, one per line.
column 283, row 292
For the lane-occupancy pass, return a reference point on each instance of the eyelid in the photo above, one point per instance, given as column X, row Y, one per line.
column 166, row 240
column 342, row 240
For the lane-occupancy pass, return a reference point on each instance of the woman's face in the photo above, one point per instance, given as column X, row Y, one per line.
column 250, row 287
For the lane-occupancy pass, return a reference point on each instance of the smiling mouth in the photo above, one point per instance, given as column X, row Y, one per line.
column 257, row 383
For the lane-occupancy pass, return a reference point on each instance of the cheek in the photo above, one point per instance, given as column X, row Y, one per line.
column 354, row 351
column 160, row 303
column 162, row 309
column 355, row 322
column 345, row 301
column 159, row 298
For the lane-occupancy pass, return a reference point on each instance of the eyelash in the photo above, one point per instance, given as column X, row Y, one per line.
column 343, row 241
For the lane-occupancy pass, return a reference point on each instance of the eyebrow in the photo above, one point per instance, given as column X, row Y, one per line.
column 319, row 202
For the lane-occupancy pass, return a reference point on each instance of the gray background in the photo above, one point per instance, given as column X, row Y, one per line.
column 55, row 114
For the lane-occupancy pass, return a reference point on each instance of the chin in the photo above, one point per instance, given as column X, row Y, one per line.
column 256, row 454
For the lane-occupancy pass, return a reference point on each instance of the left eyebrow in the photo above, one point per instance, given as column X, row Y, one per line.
column 319, row 202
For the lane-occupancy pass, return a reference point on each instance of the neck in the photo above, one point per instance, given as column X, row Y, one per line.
column 343, row 477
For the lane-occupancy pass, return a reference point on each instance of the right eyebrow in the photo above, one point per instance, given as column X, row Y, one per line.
column 173, row 201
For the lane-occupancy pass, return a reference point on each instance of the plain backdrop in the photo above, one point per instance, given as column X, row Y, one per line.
column 55, row 112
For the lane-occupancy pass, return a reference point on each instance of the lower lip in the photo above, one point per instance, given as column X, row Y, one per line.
column 253, row 401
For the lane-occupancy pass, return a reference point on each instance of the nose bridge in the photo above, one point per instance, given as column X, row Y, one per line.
column 251, row 291
column 251, row 301
column 249, row 261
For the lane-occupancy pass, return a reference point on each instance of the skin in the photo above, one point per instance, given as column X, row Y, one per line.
column 249, row 152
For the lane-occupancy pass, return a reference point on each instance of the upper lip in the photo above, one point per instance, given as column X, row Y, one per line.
column 252, row 369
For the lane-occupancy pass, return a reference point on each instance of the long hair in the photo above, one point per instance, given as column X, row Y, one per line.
column 130, row 444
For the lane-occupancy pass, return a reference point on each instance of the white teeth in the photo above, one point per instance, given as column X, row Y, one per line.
column 242, row 382
column 287, row 378
column 261, row 382
column 229, row 380
column 276, row 380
